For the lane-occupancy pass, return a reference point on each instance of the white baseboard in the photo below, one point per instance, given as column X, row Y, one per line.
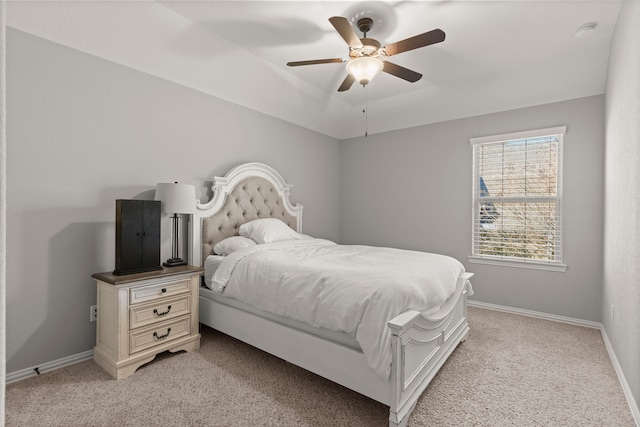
column 49, row 366
column 635, row 412
column 537, row 314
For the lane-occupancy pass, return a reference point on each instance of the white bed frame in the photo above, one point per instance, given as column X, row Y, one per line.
column 420, row 344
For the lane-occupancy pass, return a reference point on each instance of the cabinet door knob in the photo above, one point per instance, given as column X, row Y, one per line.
column 164, row 290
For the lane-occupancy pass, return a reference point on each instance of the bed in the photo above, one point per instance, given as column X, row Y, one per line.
column 408, row 349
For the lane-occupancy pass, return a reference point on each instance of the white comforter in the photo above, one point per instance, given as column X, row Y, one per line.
column 352, row 289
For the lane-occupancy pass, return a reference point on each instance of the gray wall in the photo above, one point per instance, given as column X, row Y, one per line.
column 411, row 188
column 3, row 208
column 83, row 132
column 622, row 202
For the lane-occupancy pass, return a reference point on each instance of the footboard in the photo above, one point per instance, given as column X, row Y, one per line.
column 420, row 346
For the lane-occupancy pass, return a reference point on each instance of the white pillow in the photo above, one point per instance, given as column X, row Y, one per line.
column 232, row 244
column 268, row 230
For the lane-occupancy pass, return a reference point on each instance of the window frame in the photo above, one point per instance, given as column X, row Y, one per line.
column 521, row 262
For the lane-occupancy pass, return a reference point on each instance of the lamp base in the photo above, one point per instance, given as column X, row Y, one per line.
column 174, row 262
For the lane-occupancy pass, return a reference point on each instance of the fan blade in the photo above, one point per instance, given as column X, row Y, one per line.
column 315, row 61
column 398, row 71
column 345, row 29
column 347, row 82
column 421, row 40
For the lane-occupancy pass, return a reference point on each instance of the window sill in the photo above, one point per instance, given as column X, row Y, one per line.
column 536, row 265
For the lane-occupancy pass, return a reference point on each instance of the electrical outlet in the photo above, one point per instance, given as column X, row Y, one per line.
column 611, row 310
column 93, row 313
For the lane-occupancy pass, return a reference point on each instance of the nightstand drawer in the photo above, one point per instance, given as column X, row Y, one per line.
column 159, row 334
column 152, row 292
column 158, row 311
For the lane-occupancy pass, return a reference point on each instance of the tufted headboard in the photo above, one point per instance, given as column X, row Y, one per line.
column 247, row 192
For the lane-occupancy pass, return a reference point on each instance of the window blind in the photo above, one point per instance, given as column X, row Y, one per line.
column 517, row 197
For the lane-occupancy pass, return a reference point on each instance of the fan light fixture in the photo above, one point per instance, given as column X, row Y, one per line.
column 364, row 69
column 367, row 57
column 364, row 61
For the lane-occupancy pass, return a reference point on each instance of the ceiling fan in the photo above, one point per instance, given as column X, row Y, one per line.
column 366, row 54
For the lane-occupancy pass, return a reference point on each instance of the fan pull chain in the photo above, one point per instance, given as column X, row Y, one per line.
column 365, row 112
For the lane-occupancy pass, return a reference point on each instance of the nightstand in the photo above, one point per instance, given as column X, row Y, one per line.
column 144, row 314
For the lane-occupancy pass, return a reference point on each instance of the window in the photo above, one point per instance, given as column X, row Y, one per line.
column 517, row 199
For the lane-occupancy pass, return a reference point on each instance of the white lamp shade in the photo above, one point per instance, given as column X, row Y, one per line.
column 364, row 69
column 177, row 198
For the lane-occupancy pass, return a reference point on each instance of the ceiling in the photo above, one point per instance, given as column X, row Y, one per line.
column 497, row 56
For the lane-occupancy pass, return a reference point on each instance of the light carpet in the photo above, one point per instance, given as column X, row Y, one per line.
column 511, row 371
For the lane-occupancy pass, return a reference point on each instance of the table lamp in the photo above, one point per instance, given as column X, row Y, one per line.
column 176, row 199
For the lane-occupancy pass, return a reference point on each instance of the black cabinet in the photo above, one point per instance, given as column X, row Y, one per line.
column 137, row 236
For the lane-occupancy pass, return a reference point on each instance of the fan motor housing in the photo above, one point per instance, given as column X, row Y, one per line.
column 370, row 47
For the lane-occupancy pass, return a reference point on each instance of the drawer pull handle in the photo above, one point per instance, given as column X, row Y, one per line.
column 164, row 313
column 164, row 290
column 159, row 337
